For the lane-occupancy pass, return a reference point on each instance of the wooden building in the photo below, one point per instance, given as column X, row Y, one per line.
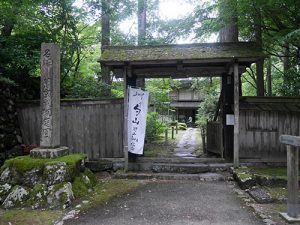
column 185, row 101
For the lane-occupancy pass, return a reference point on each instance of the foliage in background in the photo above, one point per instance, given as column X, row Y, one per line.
column 154, row 127
column 209, row 90
column 159, row 91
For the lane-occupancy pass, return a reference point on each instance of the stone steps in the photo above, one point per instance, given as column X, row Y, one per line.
column 186, row 168
column 173, row 176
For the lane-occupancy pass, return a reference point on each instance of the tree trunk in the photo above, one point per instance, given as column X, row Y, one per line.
column 260, row 90
column 229, row 31
column 105, row 41
column 269, row 77
column 142, row 9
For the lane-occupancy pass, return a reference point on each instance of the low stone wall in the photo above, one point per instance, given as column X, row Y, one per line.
column 44, row 183
column 10, row 135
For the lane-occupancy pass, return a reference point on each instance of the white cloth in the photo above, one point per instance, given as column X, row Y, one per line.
column 137, row 115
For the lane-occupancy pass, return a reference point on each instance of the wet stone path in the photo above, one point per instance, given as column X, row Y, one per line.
column 188, row 144
column 173, row 203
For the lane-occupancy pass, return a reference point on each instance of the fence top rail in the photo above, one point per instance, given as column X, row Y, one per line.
column 66, row 102
column 290, row 140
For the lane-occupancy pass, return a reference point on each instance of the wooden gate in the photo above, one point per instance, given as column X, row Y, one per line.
column 215, row 137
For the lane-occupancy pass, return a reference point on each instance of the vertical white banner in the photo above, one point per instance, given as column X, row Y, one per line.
column 137, row 115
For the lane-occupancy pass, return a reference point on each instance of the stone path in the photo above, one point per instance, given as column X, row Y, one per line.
column 188, row 144
column 173, row 203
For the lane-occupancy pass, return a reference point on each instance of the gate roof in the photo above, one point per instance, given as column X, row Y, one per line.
column 180, row 60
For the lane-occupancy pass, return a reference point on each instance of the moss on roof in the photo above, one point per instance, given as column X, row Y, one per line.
column 180, row 52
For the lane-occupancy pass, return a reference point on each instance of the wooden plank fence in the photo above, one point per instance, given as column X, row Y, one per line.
column 262, row 121
column 93, row 127
column 215, row 137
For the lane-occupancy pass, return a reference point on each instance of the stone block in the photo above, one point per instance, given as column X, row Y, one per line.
column 33, row 177
column 49, row 152
column 260, row 195
column 60, row 195
column 4, row 191
column 16, row 197
column 56, row 173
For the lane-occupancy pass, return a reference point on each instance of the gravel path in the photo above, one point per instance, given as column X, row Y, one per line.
column 173, row 203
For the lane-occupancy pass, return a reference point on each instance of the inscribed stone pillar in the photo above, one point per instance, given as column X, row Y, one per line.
column 50, row 96
column 50, row 104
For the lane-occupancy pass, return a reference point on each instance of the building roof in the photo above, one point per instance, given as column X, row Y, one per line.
column 183, row 104
column 279, row 104
column 180, row 61
column 181, row 52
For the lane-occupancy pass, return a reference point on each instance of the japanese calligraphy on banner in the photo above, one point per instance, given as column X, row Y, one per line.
column 137, row 115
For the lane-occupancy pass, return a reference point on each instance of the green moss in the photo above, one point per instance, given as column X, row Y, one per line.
column 87, row 172
column 37, row 196
column 79, row 187
column 244, row 176
column 151, row 152
column 26, row 163
column 29, row 217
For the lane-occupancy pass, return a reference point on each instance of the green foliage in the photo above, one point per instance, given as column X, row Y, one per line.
column 87, row 87
column 159, row 92
column 209, row 91
column 154, row 127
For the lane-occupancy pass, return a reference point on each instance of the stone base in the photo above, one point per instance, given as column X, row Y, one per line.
column 49, row 153
column 289, row 219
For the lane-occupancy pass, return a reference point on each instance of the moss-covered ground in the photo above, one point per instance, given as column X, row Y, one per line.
column 158, row 147
column 26, row 163
column 104, row 190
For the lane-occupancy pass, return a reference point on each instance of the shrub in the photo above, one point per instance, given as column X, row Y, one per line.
column 154, row 127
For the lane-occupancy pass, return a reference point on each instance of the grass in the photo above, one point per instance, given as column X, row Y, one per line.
column 279, row 172
column 103, row 192
column 106, row 190
column 277, row 192
column 29, row 216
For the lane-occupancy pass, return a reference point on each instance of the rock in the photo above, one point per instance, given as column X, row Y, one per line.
column 245, row 181
column 269, row 222
column 56, row 173
column 38, row 196
column 33, row 177
column 10, row 176
column 60, row 195
column 118, row 166
column 260, row 195
column 16, row 197
column 4, row 191
column 71, row 214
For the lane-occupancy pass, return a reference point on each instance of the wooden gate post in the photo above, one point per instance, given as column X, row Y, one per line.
column 236, row 115
column 292, row 143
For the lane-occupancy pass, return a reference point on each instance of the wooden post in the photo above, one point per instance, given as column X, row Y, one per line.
column 260, row 89
column 172, row 132
column 292, row 142
column 236, row 115
column 125, row 132
column 166, row 136
column 176, row 128
column 292, row 173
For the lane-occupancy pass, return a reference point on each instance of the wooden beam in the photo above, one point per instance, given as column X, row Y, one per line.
column 260, row 86
column 236, row 115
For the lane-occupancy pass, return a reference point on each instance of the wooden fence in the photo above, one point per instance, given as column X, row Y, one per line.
column 94, row 127
column 215, row 137
column 262, row 121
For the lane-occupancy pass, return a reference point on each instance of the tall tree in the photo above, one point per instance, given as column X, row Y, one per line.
column 142, row 16
column 105, row 41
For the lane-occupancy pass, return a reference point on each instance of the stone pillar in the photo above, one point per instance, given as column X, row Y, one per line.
column 50, row 104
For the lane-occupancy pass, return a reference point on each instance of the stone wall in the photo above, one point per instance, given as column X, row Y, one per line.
column 10, row 135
